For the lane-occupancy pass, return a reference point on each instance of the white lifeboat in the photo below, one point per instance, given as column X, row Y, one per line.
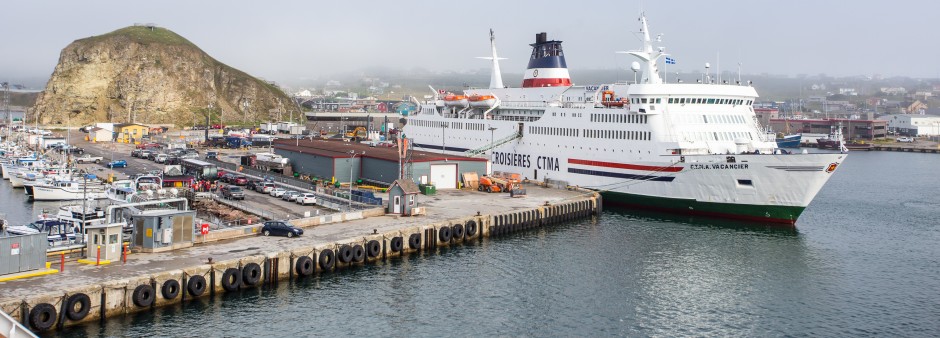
column 482, row 101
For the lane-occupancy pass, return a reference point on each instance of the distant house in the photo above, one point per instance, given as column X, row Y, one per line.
column 131, row 132
column 894, row 90
column 98, row 134
column 915, row 107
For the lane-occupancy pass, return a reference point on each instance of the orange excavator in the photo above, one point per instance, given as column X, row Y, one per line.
column 499, row 182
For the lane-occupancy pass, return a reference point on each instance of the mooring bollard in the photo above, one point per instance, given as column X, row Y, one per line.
column 98, row 256
column 62, row 262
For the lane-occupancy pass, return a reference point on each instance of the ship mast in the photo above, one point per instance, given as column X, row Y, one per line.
column 496, row 77
column 647, row 55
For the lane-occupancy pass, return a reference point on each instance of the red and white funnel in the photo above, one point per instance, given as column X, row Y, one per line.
column 547, row 67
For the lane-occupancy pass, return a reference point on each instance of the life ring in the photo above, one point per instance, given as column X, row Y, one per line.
column 231, row 279
column 251, row 274
column 327, row 259
column 471, row 228
column 143, row 295
column 373, row 248
column 396, row 244
column 304, row 266
column 196, row 285
column 457, row 229
column 345, row 253
column 170, row 289
column 444, row 234
column 42, row 317
column 358, row 253
column 84, row 305
column 414, row 241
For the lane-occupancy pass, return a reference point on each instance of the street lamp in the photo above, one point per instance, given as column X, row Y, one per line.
column 351, row 159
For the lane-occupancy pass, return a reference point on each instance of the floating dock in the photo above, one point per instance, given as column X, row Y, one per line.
column 83, row 293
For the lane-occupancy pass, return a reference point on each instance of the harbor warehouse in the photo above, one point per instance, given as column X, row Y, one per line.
column 130, row 132
column 348, row 161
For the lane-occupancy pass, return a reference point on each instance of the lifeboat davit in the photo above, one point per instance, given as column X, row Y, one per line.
column 609, row 100
column 482, row 101
column 452, row 100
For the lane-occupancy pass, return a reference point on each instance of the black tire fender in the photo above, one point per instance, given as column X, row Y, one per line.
column 144, row 295
column 327, row 259
column 196, row 286
column 304, row 266
column 345, row 253
column 373, row 248
column 231, row 279
column 471, row 228
column 42, row 317
column 414, row 241
column 170, row 289
column 444, row 234
column 457, row 229
column 84, row 305
column 251, row 274
column 359, row 253
column 396, row 244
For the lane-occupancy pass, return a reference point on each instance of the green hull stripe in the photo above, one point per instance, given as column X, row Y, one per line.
column 766, row 213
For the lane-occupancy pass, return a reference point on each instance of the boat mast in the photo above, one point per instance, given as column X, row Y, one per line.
column 496, row 77
column 649, row 57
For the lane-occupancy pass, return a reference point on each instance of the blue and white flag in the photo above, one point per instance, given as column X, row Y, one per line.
column 670, row 61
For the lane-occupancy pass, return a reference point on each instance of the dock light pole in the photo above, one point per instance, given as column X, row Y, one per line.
column 351, row 159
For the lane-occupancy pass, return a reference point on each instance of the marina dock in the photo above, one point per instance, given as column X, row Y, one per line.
column 84, row 293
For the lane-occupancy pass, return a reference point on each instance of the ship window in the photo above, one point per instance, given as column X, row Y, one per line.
column 670, row 100
column 711, row 101
column 659, row 100
column 746, row 182
column 643, row 100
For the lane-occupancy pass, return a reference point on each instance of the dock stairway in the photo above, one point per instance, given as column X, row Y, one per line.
column 479, row 151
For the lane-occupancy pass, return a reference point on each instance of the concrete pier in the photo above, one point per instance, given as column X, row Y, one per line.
column 151, row 280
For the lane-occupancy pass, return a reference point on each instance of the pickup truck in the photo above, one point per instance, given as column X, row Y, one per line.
column 88, row 159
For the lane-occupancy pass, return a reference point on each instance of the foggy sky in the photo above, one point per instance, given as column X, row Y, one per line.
column 293, row 41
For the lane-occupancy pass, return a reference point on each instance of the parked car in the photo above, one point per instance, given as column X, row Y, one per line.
column 240, row 180
column 152, row 155
column 280, row 228
column 136, row 152
column 117, row 164
column 89, row 159
column 266, row 187
column 228, row 178
column 161, row 158
column 144, row 153
column 290, row 195
column 188, row 155
column 905, row 139
column 253, row 184
column 306, row 199
column 233, row 192
column 277, row 191
column 212, row 155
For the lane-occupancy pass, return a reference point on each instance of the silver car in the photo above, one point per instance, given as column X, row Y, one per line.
column 290, row 195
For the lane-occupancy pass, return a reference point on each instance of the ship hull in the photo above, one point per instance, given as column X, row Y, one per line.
column 778, row 214
column 58, row 194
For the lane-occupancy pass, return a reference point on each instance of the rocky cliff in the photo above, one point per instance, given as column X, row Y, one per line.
column 152, row 75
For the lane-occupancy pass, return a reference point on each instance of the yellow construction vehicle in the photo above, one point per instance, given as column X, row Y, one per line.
column 358, row 133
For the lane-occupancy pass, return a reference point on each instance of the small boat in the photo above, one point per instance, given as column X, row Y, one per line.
column 833, row 141
column 789, row 141
column 858, row 145
column 453, row 100
column 69, row 191
column 482, row 101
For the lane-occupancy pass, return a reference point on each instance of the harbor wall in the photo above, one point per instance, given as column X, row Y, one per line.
column 120, row 297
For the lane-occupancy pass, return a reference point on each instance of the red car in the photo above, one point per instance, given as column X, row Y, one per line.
column 148, row 146
column 240, row 180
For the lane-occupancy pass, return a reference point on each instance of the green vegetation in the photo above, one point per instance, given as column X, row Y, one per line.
column 143, row 35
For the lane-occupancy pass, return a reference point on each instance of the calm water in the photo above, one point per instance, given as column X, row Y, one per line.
column 864, row 260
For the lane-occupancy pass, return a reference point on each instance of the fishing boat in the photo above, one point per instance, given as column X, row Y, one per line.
column 833, row 141
column 69, row 190
column 693, row 148
column 789, row 141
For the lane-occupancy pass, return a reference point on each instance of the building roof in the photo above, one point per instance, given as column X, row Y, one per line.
column 340, row 149
column 122, row 125
column 407, row 186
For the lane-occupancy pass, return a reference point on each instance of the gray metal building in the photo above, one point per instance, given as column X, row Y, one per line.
column 19, row 253
column 330, row 159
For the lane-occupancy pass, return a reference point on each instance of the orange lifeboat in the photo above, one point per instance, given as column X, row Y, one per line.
column 609, row 100
column 482, row 101
column 452, row 100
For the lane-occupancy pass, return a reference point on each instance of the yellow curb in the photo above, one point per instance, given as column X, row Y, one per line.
column 93, row 262
column 30, row 274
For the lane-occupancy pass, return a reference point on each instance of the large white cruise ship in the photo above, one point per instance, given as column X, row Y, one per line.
column 679, row 147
